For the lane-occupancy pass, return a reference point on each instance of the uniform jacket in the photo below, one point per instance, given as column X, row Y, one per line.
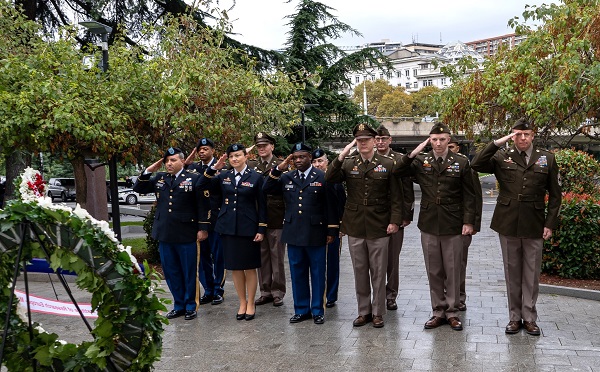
column 181, row 208
column 243, row 209
column 448, row 196
column 374, row 196
column 310, row 209
column 520, row 205
column 340, row 199
column 214, row 198
column 407, row 189
column 275, row 205
column 478, row 200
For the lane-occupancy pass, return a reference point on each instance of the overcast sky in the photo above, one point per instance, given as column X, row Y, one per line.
column 262, row 22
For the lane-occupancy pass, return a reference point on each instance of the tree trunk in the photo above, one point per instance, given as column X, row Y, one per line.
column 80, row 180
column 15, row 164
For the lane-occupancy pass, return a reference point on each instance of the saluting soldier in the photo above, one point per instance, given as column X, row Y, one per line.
column 180, row 220
column 383, row 140
column 373, row 212
column 241, row 222
column 212, row 269
column 526, row 175
column 310, row 223
column 334, row 248
column 272, row 249
column 454, row 146
column 447, row 212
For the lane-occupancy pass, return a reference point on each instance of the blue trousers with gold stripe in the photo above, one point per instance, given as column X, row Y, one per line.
column 180, row 266
column 212, row 265
column 304, row 261
column 333, row 269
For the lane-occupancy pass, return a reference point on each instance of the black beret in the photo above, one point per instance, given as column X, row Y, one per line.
column 522, row 124
column 317, row 153
column 172, row 151
column 383, row 131
column 440, row 128
column 301, row 147
column 205, row 142
column 363, row 131
column 235, row 147
column 262, row 137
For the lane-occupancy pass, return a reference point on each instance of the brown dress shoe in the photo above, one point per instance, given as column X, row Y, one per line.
column 378, row 321
column 531, row 328
column 455, row 323
column 462, row 306
column 362, row 320
column 512, row 327
column 263, row 300
column 434, row 322
column 391, row 305
column 277, row 301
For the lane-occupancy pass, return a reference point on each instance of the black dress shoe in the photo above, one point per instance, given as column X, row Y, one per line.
column 205, row 299
column 461, row 306
column 240, row 316
column 330, row 304
column 175, row 314
column 263, row 300
column 249, row 316
column 217, row 299
column 319, row 319
column 297, row 318
column 190, row 314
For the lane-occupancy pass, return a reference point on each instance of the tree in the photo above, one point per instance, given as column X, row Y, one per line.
column 49, row 103
column 396, row 104
column 311, row 58
column 552, row 77
column 424, row 101
column 375, row 92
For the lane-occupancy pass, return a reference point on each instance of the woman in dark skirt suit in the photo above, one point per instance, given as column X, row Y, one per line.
column 242, row 222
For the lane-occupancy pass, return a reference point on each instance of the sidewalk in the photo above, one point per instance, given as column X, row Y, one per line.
column 570, row 326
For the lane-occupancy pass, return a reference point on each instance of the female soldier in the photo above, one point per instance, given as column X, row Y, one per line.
column 242, row 222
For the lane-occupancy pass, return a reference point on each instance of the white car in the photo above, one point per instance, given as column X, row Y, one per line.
column 130, row 197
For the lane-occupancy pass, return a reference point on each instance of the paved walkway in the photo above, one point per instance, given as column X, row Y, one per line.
column 570, row 326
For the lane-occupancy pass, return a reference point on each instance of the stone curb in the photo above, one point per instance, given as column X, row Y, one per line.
column 587, row 294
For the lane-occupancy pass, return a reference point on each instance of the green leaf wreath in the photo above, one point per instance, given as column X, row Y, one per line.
column 128, row 331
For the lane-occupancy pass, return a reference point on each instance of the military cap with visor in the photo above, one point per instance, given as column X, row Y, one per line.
column 262, row 137
column 522, row 124
column 363, row 131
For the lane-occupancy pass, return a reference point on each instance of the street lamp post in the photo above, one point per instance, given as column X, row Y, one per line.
column 103, row 30
column 305, row 106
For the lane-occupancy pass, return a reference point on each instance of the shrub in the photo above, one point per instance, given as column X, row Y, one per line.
column 151, row 244
column 574, row 249
column 578, row 172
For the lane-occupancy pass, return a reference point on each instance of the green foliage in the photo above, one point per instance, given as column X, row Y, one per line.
column 375, row 92
column 574, row 250
column 579, row 172
column 138, row 245
column 151, row 244
column 396, row 104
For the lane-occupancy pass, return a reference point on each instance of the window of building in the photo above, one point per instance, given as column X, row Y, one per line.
column 381, row 75
column 427, row 83
column 407, row 85
column 443, row 81
column 357, row 79
column 389, row 75
column 415, row 72
column 407, row 73
column 398, row 74
column 415, row 85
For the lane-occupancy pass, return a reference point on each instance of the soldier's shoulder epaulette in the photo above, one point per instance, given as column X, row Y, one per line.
column 461, row 155
column 387, row 156
column 192, row 171
column 543, row 151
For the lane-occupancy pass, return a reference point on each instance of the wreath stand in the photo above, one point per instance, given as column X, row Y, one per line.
column 27, row 230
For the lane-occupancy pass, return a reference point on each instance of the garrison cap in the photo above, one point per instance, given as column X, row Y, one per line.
column 301, row 147
column 172, row 151
column 235, row 147
column 262, row 137
column 205, row 142
column 440, row 128
column 363, row 131
column 317, row 153
column 522, row 124
column 383, row 131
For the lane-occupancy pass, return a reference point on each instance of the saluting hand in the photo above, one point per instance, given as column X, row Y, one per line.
column 220, row 164
column 154, row 167
column 286, row 163
column 419, row 148
column 259, row 237
column 500, row 142
column 347, row 150
column 248, row 149
column 190, row 159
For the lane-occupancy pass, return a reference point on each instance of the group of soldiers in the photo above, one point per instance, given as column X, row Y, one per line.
column 308, row 209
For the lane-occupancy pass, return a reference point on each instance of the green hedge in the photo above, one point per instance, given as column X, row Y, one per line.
column 151, row 244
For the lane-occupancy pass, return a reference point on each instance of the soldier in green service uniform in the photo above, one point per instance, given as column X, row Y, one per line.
column 373, row 212
column 447, row 212
column 526, row 175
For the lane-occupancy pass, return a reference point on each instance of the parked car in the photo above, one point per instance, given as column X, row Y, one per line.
column 63, row 188
column 128, row 196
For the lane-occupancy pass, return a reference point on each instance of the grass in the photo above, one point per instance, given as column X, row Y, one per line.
column 138, row 245
column 129, row 223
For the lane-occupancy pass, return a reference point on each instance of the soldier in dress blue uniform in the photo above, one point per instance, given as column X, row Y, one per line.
column 310, row 223
column 334, row 248
column 242, row 222
column 212, row 269
column 180, row 221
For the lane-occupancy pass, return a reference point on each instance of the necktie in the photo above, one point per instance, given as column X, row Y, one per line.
column 238, row 176
column 302, row 178
column 440, row 160
column 524, row 156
